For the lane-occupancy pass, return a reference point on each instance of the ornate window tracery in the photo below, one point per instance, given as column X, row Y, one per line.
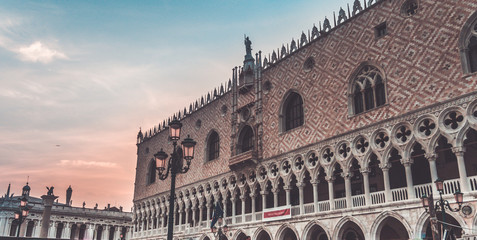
column 368, row 89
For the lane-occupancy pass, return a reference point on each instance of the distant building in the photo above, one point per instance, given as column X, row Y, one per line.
column 333, row 136
column 67, row 222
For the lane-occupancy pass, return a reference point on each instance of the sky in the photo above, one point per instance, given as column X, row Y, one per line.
column 79, row 78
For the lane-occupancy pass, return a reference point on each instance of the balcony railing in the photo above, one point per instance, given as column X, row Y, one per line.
column 324, row 206
column 309, row 208
column 340, row 203
column 473, row 183
column 358, row 200
column 378, row 197
column 423, row 189
column 399, row 194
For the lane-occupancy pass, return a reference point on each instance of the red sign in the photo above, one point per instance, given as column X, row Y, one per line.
column 277, row 213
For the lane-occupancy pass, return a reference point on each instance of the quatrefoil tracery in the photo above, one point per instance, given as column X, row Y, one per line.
column 453, row 120
column 313, row 159
column 328, row 155
column 403, row 134
column 274, row 170
column 343, row 150
column 426, row 127
column 381, row 140
column 299, row 163
column 362, row 145
column 286, row 167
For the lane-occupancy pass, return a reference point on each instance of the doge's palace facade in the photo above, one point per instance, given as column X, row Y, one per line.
column 346, row 128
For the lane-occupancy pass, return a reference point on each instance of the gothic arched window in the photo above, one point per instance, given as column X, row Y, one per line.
column 245, row 141
column 292, row 112
column 368, row 90
column 468, row 42
column 151, row 172
column 213, row 146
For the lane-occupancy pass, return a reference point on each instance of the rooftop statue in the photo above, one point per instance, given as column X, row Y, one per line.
column 50, row 191
column 248, row 46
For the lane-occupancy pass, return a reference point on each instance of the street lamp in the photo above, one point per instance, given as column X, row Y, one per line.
column 221, row 231
column 441, row 204
column 22, row 214
column 174, row 165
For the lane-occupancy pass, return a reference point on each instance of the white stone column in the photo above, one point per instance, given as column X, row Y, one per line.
column 2, row 225
column 194, row 209
column 201, row 213
column 287, row 192
column 66, row 231
column 37, row 229
column 275, row 197
column 209, row 208
column 464, row 182
column 180, row 212
column 105, row 233
column 243, row 198
column 367, row 193
column 264, row 199
column 315, row 194
column 224, row 202
column 331, row 192
column 187, row 216
column 52, row 230
column 431, row 158
column 387, row 184
column 301, row 197
column 347, row 178
column 410, row 184
column 89, row 231
column 252, row 197
column 233, row 199
column 117, row 233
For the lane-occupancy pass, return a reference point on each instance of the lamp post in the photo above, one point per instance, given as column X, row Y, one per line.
column 174, row 165
column 440, row 204
column 22, row 214
column 220, row 232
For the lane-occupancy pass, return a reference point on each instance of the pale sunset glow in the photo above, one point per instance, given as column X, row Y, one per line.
column 79, row 78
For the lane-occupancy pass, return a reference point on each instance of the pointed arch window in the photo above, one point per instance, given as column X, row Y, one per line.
column 245, row 141
column 213, row 146
column 292, row 112
column 468, row 42
column 368, row 90
column 151, row 172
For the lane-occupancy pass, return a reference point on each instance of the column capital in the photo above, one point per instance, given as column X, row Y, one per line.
column 330, row 178
column 406, row 162
column 386, row 166
column 347, row 176
column 365, row 170
column 458, row 151
column 314, row 182
column 263, row 192
column 431, row 156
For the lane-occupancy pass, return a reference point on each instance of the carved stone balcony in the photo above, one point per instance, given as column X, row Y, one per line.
column 243, row 159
